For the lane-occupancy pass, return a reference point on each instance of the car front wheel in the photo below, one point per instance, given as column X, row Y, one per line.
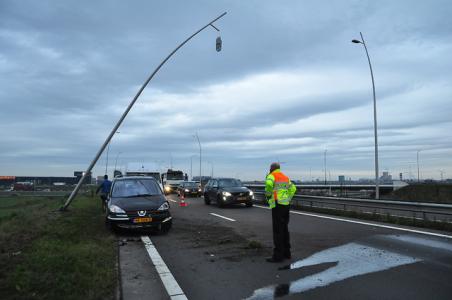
column 206, row 199
column 220, row 202
column 166, row 227
column 110, row 226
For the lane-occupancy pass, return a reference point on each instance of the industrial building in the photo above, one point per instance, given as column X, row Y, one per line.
column 8, row 181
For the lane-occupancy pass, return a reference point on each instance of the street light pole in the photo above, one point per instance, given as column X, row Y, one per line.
column 191, row 166
column 211, row 168
column 324, row 163
column 417, row 159
column 377, row 181
column 200, row 158
column 108, row 152
column 115, row 128
column 116, row 160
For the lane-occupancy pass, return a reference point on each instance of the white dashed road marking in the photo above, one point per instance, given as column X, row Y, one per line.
column 172, row 200
column 220, row 216
column 367, row 223
column 172, row 287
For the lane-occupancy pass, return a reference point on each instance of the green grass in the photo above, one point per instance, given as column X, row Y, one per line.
column 45, row 254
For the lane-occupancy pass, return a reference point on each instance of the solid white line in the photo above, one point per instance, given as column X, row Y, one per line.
column 172, row 287
column 172, row 200
column 220, row 216
column 366, row 223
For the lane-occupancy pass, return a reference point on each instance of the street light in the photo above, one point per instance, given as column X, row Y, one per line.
column 116, row 160
column 115, row 128
column 377, row 183
column 106, row 161
column 200, row 158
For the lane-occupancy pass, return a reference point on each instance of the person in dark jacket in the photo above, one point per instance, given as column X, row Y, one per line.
column 104, row 188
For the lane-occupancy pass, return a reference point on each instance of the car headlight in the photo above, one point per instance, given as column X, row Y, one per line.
column 116, row 209
column 227, row 194
column 164, row 206
column 167, row 188
column 199, row 190
column 187, row 190
column 251, row 193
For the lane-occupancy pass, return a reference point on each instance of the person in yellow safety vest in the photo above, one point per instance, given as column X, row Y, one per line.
column 279, row 192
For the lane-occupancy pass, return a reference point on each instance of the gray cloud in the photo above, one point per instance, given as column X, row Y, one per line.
column 287, row 85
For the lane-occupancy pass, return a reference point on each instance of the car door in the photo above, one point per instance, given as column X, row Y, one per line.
column 213, row 189
column 205, row 191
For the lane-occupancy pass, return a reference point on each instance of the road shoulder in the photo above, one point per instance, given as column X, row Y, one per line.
column 139, row 279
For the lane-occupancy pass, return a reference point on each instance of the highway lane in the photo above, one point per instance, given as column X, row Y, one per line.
column 214, row 253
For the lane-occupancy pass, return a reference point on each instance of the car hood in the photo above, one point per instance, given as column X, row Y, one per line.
column 139, row 203
column 236, row 189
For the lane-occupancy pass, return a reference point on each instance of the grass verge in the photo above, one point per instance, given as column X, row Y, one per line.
column 46, row 254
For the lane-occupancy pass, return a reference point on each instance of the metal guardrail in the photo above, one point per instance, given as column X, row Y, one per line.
column 419, row 204
column 416, row 210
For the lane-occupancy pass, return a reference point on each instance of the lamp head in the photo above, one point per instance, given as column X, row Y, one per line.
column 357, row 41
column 218, row 44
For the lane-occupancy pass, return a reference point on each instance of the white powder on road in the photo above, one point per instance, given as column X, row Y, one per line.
column 352, row 260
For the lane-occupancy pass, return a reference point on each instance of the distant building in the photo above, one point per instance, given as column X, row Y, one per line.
column 8, row 181
column 79, row 174
column 386, row 178
column 341, row 179
column 99, row 179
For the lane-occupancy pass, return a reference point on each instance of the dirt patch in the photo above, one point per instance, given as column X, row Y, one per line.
column 218, row 242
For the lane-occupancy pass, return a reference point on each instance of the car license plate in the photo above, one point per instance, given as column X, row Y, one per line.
column 241, row 198
column 142, row 220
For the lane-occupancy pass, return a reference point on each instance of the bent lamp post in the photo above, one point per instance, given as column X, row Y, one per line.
column 377, row 183
column 118, row 124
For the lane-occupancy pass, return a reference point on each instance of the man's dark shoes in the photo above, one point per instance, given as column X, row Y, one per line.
column 274, row 259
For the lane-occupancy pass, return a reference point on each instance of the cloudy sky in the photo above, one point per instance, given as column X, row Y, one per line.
column 287, row 86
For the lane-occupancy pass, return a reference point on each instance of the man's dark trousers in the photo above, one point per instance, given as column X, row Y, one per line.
column 281, row 238
column 103, row 198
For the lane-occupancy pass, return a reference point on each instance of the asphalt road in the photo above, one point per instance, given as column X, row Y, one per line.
column 216, row 258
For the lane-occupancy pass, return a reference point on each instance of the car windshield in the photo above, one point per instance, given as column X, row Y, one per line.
column 135, row 187
column 190, row 184
column 229, row 183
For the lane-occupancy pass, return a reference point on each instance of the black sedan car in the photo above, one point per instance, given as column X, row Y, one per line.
column 226, row 191
column 137, row 202
column 189, row 188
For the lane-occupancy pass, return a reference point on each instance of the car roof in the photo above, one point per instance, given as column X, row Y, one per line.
column 221, row 178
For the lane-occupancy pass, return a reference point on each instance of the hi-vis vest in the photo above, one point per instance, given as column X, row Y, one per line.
column 278, row 188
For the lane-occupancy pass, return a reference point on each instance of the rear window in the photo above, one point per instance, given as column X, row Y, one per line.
column 135, row 187
column 229, row 182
